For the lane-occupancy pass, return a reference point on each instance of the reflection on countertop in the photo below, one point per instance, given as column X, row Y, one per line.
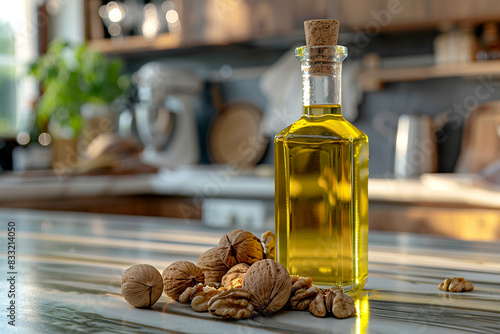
column 69, row 267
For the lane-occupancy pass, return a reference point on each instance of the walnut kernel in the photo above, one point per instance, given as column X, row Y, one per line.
column 299, row 282
column 301, row 299
column 456, row 284
column 231, row 304
column 343, row 306
column 317, row 306
column 199, row 302
column 189, row 293
column 330, row 295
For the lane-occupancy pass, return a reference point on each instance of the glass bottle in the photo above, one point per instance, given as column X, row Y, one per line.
column 321, row 173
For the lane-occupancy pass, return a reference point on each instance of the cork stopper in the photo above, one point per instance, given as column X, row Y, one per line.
column 321, row 32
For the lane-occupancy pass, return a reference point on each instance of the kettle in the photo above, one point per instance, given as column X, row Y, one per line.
column 416, row 146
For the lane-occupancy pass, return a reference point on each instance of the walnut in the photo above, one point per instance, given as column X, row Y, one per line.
column 343, row 306
column 215, row 285
column 269, row 285
column 301, row 299
column 456, row 284
column 300, row 283
column 231, row 304
column 238, row 271
column 212, row 265
column 318, row 306
column 199, row 302
column 189, row 293
column 269, row 245
column 236, row 283
column 179, row 276
column 240, row 246
column 330, row 295
column 141, row 285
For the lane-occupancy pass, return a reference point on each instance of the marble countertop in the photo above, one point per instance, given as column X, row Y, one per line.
column 224, row 181
column 68, row 269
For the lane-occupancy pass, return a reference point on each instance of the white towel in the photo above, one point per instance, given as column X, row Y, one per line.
column 281, row 84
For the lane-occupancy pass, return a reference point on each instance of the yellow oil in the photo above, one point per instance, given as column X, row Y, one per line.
column 321, row 165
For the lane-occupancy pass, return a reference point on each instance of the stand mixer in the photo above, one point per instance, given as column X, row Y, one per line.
column 163, row 116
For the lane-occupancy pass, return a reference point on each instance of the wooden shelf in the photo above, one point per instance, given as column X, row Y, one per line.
column 136, row 44
column 165, row 42
column 373, row 79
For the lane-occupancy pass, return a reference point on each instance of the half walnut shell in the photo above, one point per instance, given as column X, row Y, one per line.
column 240, row 246
column 238, row 271
column 269, row 285
column 179, row 276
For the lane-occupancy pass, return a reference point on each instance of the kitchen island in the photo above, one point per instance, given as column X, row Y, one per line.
column 68, row 266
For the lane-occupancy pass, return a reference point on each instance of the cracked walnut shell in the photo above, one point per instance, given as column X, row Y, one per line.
column 141, row 285
column 231, row 304
column 269, row 285
column 236, row 272
column 269, row 245
column 240, row 246
column 212, row 265
column 179, row 276
column 456, row 284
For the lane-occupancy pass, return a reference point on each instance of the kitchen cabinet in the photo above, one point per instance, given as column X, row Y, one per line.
column 220, row 22
column 208, row 23
column 373, row 79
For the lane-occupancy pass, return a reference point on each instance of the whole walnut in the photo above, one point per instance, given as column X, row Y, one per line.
column 238, row 271
column 269, row 285
column 179, row 276
column 141, row 285
column 212, row 265
column 240, row 246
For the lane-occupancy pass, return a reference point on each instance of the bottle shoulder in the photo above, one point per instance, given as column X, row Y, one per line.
column 333, row 127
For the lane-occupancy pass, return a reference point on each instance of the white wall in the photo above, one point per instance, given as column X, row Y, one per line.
column 67, row 20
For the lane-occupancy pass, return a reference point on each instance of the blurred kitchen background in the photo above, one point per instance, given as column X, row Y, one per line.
column 169, row 108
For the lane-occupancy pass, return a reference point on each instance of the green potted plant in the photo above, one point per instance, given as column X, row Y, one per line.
column 75, row 79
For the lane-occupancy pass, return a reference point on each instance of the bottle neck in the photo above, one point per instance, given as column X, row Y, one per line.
column 321, row 88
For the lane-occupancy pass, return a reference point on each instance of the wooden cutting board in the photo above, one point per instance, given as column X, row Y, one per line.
column 481, row 139
column 235, row 136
